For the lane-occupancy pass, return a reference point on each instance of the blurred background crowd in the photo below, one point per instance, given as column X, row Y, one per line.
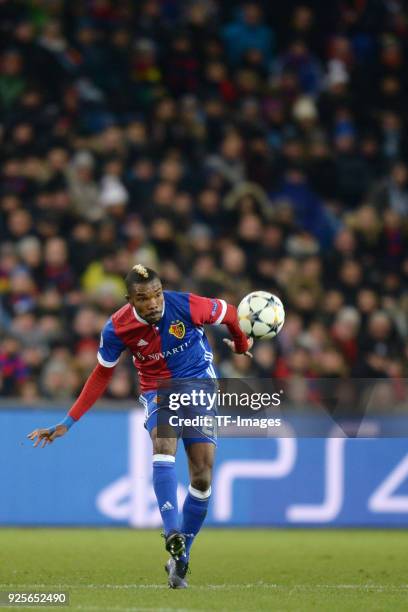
column 229, row 145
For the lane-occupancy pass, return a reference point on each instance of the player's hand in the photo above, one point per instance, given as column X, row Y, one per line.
column 231, row 345
column 48, row 435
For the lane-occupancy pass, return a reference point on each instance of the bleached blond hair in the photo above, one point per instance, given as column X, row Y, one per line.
column 139, row 274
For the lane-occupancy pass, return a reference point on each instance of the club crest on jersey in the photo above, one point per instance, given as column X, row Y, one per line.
column 177, row 328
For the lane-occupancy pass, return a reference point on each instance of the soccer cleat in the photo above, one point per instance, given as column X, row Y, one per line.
column 175, row 544
column 176, row 571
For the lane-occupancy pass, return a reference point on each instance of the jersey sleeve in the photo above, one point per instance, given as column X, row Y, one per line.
column 210, row 311
column 110, row 347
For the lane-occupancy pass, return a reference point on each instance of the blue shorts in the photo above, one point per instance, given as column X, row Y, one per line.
column 157, row 413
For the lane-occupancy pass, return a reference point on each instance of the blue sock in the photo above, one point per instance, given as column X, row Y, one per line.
column 165, row 487
column 194, row 512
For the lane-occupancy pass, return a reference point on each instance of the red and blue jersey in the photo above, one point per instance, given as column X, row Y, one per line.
column 175, row 347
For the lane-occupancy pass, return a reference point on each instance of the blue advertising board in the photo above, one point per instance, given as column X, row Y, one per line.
column 100, row 474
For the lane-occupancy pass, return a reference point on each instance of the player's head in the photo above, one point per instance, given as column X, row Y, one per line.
column 145, row 293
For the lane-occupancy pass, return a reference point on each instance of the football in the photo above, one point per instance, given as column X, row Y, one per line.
column 261, row 315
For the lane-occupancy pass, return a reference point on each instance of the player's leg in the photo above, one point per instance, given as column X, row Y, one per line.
column 200, row 460
column 165, row 488
column 164, row 475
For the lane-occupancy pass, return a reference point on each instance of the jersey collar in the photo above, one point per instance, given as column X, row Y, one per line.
column 139, row 318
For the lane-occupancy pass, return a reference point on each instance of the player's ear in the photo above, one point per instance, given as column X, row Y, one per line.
column 127, row 297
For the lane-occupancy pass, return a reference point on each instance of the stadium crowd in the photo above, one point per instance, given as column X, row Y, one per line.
column 231, row 146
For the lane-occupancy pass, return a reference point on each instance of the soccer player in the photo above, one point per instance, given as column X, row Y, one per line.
column 164, row 332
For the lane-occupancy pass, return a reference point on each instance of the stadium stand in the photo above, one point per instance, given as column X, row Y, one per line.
column 232, row 147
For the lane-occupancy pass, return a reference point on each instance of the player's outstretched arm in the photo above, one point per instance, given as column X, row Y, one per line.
column 93, row 389
column 212, row 311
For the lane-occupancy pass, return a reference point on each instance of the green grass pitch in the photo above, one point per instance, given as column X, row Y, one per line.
column 234, row 570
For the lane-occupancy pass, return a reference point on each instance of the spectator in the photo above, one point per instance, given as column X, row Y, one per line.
column 299, row 61
column 13, row 370
column 83, row 188
column 12, row 81
column 57, row 270
column 229, row 162
column 308, row 209
column 379, row 345
column 392, row 192
column 249, row 32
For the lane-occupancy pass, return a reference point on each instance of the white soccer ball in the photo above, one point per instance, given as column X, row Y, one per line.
column 261, row 315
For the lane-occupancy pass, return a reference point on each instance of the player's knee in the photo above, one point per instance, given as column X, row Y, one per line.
column 163, row 447
column 201, row 482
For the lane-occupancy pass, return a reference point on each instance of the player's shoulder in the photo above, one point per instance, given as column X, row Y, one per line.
column 182, row 296
column 186, row 298
column 123, row 317
column 177, row 304
column 175, row 297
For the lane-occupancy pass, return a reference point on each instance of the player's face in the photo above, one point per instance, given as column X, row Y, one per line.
column 148, row 300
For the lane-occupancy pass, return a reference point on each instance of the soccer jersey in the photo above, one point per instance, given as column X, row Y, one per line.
column 174, row 347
